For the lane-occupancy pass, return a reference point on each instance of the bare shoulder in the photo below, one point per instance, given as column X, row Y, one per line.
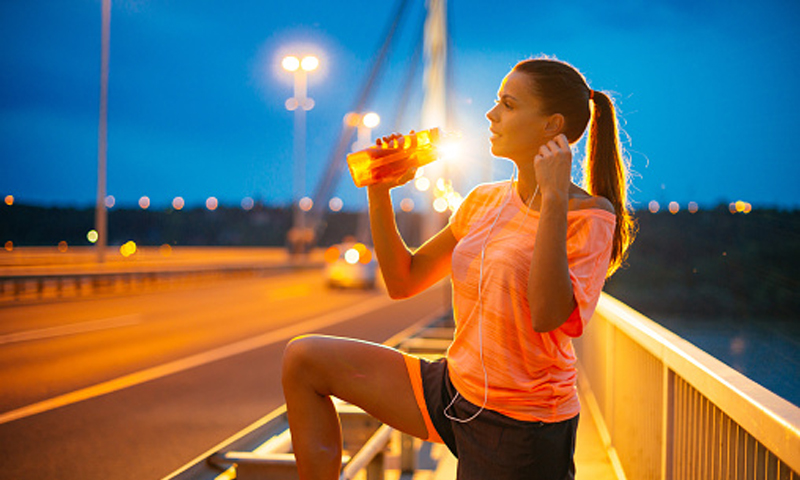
column 580, row 199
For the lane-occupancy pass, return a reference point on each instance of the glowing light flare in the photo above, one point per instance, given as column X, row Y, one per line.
column 351, row 256
column 62, row 246
column 422, row 184
column 335, row 204
column 9, row 200
column 128, row 248
column 92, row 236
column 290, row 63
column 9, row 245
column 305, row 204
column 653, row 206
column 440, row 204
column 110, row 201
column 454, row 200
column 212, row 203
column 144, row 202
column 309, row 63
column 371, row 120
column 674, row 207
column 332, row 254
column 364, row 255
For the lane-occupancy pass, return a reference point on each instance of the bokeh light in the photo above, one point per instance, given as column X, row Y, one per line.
column 674, row 207
column 335, row 204
column 178, row 203
column 693, row 207
column 62, row 246
column 653, row 206
column 144, row 203
column 422, row 184
column 407, row 205
column 128, row 248
column 212, row 203
column 110, row 201
column 440, row 204
column 165, row 250
column 305, row 204
column 9, row 245
column 92, row 236
column 9, row 200
column 248, row 203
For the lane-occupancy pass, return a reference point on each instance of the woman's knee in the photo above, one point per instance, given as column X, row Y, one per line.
column 301, row 358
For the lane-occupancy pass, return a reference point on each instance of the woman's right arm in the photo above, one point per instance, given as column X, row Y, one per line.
column 405, row 272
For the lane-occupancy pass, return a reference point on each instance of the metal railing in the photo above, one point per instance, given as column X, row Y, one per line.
column 667, row 410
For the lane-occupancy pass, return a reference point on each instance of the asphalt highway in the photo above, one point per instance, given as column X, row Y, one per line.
column 134, row 386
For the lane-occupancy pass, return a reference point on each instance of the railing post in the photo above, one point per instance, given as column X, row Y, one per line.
column 668, row 422
column 408, row 456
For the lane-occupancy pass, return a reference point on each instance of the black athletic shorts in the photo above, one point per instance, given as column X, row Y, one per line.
column 494, row 446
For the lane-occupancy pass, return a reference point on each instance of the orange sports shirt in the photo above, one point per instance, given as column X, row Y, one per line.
column 531, row 376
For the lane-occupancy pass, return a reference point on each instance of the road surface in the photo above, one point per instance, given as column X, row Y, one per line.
column 133, row 387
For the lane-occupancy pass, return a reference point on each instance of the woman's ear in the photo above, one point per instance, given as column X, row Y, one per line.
column 555, row 125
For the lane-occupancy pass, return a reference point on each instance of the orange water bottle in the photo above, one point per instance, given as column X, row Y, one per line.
column 391, row 160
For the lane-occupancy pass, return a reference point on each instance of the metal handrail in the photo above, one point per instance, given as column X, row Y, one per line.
column 671, row 411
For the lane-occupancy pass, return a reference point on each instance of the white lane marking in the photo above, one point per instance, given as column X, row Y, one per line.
column 195, row 360
column 72, row 329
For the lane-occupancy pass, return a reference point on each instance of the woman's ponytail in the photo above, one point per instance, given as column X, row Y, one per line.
column 606, row 173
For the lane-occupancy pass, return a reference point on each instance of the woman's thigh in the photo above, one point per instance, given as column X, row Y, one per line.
column 371, row 376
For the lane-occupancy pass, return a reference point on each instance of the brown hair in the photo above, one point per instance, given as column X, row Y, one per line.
column 562, row 89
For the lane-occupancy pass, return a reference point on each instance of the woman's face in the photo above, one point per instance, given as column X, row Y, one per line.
column 517, row 126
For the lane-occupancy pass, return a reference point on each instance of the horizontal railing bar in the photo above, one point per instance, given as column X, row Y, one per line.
column 772, row 420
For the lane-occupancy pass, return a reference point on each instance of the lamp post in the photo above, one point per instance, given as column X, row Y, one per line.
column 300, row 103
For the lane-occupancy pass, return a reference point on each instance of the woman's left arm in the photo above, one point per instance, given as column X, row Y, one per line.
column 550, row 296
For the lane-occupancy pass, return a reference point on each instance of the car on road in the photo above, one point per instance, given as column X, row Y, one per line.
column 350, row 264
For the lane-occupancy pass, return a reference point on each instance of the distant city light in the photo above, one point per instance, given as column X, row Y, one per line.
column 248, row 203
column 9, row 200
column 674, row 207
column 212, row 203
column 9, row 245
column 653, row 206
column 740, row 206
column 62, row 246
column 693, row 207
column 92, row 236
column 128, row 248
column 335, row 204
column 144, row 202
column 305, row 204
column 110, row 201
column 407, row 205
column 178, row 203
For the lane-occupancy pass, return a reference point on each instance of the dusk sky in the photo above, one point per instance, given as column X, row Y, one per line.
column 708, row 92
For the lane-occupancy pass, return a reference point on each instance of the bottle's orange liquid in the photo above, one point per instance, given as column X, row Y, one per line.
column 392, row 160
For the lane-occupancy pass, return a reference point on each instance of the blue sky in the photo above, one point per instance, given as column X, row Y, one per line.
column 707, row 91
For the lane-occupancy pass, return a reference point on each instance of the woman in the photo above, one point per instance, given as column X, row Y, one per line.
column 527, row 258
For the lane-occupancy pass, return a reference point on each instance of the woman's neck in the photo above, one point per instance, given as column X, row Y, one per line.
column 526, row 184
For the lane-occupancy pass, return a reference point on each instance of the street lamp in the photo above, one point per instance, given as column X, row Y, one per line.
column 299, row 104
